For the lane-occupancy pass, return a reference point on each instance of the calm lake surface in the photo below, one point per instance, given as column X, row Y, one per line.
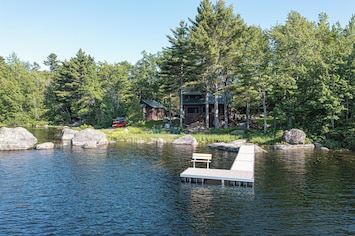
column 132, row 189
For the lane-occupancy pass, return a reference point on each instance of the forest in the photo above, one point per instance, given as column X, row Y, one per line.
column 299, row 74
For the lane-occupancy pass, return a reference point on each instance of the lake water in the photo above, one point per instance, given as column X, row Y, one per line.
column 132, row 189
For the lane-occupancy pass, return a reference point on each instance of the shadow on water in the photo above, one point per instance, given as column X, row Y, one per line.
column 50, row 134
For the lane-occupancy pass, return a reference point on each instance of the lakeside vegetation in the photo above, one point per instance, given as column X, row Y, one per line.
column 142, row 134
column 300, row 74
column 146, row 134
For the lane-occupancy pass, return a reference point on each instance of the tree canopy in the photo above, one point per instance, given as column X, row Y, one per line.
column 300, row 73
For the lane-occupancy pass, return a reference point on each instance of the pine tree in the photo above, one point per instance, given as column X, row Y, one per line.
column 215, row 37
column 175, row 65
column 71, row 87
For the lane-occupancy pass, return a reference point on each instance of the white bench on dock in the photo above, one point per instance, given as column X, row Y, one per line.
column 240, row 174
column 201, row 157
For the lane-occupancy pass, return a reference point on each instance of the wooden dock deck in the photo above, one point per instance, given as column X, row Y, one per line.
column 240, row 174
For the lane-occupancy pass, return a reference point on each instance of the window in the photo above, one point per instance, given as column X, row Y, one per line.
column 192, row 110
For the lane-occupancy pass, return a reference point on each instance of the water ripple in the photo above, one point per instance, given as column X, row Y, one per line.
column 135, row 190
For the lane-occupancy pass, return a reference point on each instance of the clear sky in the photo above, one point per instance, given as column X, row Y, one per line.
column 119, row 30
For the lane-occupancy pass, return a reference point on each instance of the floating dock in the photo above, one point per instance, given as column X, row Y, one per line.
column 240, row 174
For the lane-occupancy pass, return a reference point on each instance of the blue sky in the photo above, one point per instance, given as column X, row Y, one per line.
column 119, row 30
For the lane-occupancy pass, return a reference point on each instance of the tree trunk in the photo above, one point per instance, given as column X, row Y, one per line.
column 216, row 111
column 347, row 109
column 332, row 121
column 170, row 95
column 181, row 108
column 207, row 110
column 181, row 94
column 264, row 107
column 289, row 121
column 247, row 113
column 226, row 120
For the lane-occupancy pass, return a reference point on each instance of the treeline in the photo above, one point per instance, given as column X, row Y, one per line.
column 300, row 73
column 79, row 91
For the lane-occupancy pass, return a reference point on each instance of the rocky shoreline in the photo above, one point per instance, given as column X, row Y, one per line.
column 21, row 139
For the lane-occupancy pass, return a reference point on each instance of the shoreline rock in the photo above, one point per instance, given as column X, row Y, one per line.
column 324, row 149
column 68, row 134
column 235, row 145
column 89, row 138
column 17, row 138
column 294, row 136
column 292, row 147
column 45, row 146
column 185, row 140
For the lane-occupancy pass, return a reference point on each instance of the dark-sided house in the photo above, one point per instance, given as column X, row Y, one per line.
column 152, row 110
column 195, row 110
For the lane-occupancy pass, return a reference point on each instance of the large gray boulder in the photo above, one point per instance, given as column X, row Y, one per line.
column 231, row 146
column 16, row 139
column 235, row 145
column 186, row 140
column 294, row 136
column 68, row 134
column 89, row 138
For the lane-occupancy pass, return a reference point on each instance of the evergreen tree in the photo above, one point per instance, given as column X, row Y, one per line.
column 72, row 87
column 51, row 102
column 215, row 37
column 145, row 80
column 175, row 65
column 293, row 49
column 253, row 70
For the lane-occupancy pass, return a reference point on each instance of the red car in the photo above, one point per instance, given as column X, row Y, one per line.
column 119, row 122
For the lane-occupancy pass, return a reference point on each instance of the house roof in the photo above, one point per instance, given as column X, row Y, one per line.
column 153, row 104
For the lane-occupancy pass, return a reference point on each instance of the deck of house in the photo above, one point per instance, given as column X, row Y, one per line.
column 240, row 174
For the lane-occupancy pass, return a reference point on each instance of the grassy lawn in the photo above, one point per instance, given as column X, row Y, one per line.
column 151, row 131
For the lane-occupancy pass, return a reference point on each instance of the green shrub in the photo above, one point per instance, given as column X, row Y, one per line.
column 332, row 144
column 349, row 142
column 152, row 123
column 82, row 127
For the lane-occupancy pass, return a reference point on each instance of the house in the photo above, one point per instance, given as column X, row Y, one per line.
column 195, row 109
column 152, row 110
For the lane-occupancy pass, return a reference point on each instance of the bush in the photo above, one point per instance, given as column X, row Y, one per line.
column 349, row 139
column 332, row 144
column 153, row 123
column 82, row 127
